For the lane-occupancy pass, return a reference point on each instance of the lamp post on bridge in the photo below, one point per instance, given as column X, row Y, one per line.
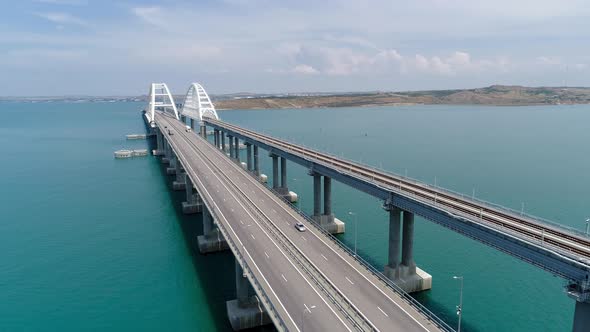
column 355, row 227
column 460, row 306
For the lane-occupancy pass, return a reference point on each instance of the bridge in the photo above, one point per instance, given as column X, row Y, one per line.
column 289, row 272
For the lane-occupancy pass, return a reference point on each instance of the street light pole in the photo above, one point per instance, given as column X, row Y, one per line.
column 303, row 315
column 355, row 228
column 460, row 306
column 587, row 226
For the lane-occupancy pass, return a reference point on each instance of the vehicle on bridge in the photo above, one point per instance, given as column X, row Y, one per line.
column 300, row 227
column 188, row 129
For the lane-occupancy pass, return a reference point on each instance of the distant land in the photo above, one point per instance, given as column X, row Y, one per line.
column 501, row 95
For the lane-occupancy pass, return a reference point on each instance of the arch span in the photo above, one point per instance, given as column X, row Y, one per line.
column 160, row 98
column 197, row 104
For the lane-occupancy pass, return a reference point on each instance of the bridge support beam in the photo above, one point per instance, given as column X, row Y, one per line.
column 275, row 171
column 215, row 138
column 172, row 162
column 159, row 151
column 245, row 311
column 283, row 189
column 404, row 273
column 326, row 220
column 193, row 202
column 237, row 149
column 223, row 141
column 203, row 130
column 581, row 317
column 212, row 240
column 192, row 124
column 180, row 183
column 183, row 118
column 249, row 157
column 166, row 157
column 231, row 146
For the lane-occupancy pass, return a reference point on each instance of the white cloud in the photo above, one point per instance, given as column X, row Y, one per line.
column 305, row 69
column 548, row 60
column 64, row 2
column 62, row 18
column 151, row 15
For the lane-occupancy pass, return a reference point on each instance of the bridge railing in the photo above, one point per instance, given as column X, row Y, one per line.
column 469, row 198
column 370, row 268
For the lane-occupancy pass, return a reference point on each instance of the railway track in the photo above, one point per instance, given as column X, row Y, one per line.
column 567, row 242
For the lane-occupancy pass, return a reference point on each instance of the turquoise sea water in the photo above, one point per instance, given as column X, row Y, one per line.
column 88, row 242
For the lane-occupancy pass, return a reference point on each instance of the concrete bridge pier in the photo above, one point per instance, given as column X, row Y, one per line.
column 245, row 311
column 180, row 183
column 223, row 142
column 203, row 130
column 581, row 317
column 215, row 137
column 159, row 143
column 192, row 124
column 231, row 146
column 248, row 157
column 237, row 149
column 193, row 203
column 326, row 220
column 404, row 272
column 261, row 177
column 172, row 161
column 212, row 240
column 283, row 188
column 166, row 157
column 183, row 118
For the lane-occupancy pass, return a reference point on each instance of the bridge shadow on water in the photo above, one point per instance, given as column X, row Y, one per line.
column 216, row 271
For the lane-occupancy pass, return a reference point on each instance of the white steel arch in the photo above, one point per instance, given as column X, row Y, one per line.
column 197, row 104
column 160, row 98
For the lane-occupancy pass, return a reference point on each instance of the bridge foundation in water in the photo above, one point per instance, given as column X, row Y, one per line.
column 193, row 203
column 245, row 311
column 212, row 240
column 404, row 272
column 326, row 220
column 280, row 184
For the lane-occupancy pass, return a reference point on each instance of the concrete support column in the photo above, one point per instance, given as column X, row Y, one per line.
column 256, row 161
column 223, row 141
column 180, row 183
column 408, row 241
column 231, row 146
column 207, row 222
column 203, row 130
column 183, row 119
column 237, row 148
column 215, row 138
column 581, row 317
column 404, row 272
column 393, row 259
column 245, row 312
column 172, row 162
column 242, row 286
column 249, row 156
column 317, row 192
column 284, row 173
column 193, row 124
column 327, row 196
column 193, row 202
column 275, row 171
column 212, row 240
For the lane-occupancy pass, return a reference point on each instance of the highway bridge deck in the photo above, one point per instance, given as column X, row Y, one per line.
column 294, row 269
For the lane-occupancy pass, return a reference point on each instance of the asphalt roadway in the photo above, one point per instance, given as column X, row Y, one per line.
column 246, row 206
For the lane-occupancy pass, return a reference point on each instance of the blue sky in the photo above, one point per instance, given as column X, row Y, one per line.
column 66, row 47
